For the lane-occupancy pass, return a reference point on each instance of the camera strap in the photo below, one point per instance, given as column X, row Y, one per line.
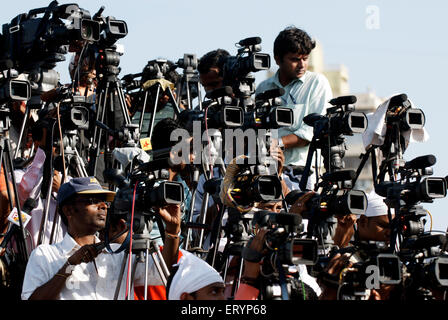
column 107, row 241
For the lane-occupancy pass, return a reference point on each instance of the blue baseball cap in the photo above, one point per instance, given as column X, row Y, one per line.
column 85, row 185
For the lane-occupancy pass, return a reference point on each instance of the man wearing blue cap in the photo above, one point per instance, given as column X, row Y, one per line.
column 74, row 269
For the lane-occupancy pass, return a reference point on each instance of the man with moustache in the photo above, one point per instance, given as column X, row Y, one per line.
column 74, row 269
column 305, row 92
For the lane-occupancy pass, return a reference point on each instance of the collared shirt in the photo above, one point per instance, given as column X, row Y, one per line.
column 308, row 94
column 84, row 283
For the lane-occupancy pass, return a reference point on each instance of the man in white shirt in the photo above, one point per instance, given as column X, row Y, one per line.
column 74, row 269
column 305, row 92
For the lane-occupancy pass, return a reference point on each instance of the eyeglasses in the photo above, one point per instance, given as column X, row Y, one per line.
column 93, row 200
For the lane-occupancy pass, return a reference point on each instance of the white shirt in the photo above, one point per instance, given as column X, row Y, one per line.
column 308, row 94
column 84, row 283
column 29, row 183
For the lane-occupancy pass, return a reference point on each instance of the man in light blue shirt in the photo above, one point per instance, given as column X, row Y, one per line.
column 305, row 92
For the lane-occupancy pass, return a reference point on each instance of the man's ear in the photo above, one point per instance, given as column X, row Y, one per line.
column 186, row 296
column 278, row 60
column 67, row 211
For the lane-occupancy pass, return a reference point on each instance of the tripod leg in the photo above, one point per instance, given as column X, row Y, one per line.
column 22, row 131
column 190, row 219
column 160, row 265
column 120, row 277
column 174, row 102
column 218, row 234
column 8, row 190
column 237, row 277
column 203, row 217
column 142, row 115
column 153, row 115
column 7, row 164
column 122, row 101
column 97, row 136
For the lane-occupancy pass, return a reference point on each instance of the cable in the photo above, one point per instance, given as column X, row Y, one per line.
column 430, row 215
column 64, row 177
column 130, row 242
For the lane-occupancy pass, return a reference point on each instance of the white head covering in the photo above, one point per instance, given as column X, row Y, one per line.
column 193, row 274
column 376, row 130
column 375, row 205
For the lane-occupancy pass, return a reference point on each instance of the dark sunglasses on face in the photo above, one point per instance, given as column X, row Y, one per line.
column 93, row 201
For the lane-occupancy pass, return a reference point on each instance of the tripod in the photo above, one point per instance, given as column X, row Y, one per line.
column 156, row 90
column 143, row 246
column 189, row 82
column 110, row 89
column 9, row 176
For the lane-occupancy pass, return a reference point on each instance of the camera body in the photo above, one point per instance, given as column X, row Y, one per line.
column 30, row 40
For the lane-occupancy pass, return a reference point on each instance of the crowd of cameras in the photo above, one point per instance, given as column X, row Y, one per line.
column 414, row 259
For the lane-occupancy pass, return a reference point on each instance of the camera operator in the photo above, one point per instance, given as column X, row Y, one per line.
column 63, row 270
column 250, row 281
column 83, row 73
column 180, row 173
column 29, row 180
column 165, row 108
column 194, row 279
column 210, row 69
column 305, row 92
column 372, row 226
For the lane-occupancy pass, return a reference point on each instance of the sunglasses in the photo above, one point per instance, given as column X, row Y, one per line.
column 92, row 200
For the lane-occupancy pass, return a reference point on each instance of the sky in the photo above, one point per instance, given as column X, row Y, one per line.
column 389, row 47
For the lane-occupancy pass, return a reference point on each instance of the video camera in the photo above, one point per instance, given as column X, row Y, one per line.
column 236, row 68
column 29, row 40
column 13, row 89
column 220, row 112
column 333, row 200
column 369, row 259
column 426, row 264
column 102, row 47
column 282, row 241
column 329, row 132
column 400, row 112
column 143, row 191
column 340, row 119
column 412, row 189
column 252, row 184
column 268, row 112
column 157, row 69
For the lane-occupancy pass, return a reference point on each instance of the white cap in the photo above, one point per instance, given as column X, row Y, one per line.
column 193, row 274
column 375, row 205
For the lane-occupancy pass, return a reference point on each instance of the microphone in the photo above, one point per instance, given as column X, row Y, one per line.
column 250, row 41
column 341, row 175
column 115, row 177
column 269, row 94
column 397, row 100
column 427, row 241
column 421, row 162
column 312, row 118
column 344, row 100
